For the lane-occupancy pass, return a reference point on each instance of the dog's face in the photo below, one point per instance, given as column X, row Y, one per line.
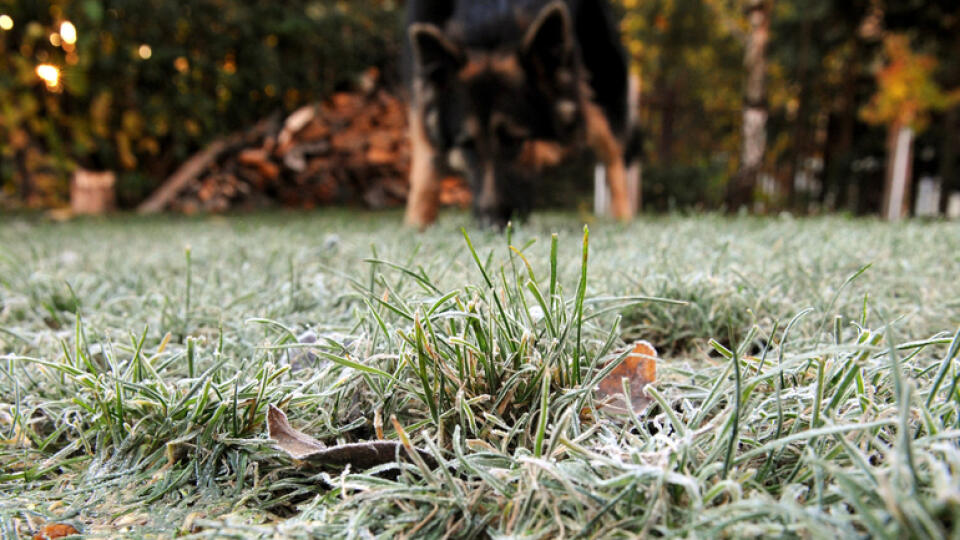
column 483, row 109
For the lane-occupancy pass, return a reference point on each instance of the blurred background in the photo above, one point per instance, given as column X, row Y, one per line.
column 807, row 106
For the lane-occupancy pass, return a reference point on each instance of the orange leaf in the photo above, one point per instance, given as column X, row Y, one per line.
column 640, row 368
column 55, row 530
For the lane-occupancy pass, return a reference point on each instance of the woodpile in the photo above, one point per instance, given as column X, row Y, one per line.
column 349, row 150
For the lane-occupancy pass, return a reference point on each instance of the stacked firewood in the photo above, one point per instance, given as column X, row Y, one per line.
column 351, row 149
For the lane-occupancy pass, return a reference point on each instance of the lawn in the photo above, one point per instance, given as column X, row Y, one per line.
column 807, row 383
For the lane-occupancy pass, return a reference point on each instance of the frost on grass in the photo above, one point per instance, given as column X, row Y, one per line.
column 136, row 381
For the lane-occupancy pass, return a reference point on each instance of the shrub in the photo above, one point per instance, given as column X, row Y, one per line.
column 148, row 82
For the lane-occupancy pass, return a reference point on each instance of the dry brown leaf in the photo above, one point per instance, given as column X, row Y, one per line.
column 20, row 438
column 55, row 530
column 296, row 443
column 301, row 446
column 640, row 368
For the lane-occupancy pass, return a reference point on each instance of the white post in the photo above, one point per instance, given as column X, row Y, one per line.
column 601, row 191
column 928, row 198
column 953, row 206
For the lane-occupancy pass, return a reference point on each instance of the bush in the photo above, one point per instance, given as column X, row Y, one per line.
column 683, row 186
column 148, row 82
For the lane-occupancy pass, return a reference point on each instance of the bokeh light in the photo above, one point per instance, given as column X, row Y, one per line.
column 145, row 51
column 49, row 74
column 6, row 22
column 68, row 32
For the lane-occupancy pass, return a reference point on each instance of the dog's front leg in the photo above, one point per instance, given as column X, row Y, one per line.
column 608, row 149
column 424, row 197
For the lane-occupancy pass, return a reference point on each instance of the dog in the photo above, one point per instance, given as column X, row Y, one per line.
column 500, row 89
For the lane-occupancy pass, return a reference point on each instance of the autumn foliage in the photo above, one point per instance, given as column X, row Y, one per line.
column 907, row 90
column 147, row 83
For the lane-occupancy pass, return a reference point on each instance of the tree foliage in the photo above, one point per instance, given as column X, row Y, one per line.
column 690, row 68
column 147, row 82
column 907, row 90
column 823, row 65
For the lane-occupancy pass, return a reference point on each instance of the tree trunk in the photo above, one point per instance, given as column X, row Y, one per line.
column 949, row 178
column 801, row 133
column 741, row 188
column 896, row 191
column 26, row 182
column 667, row 101
column 838, row 147
column 92, row 192
column 949, row 175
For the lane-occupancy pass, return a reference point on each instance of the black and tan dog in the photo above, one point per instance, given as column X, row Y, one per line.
column 502, row 88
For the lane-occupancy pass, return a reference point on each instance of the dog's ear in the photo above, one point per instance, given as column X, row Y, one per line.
column 435, row 57
column 549, row 42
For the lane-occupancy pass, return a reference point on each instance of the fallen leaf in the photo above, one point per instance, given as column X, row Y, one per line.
column 640, row 368
column 301, row 446
column 131, row 520
column 55, row 530
column 20, row 438
column 188, row 526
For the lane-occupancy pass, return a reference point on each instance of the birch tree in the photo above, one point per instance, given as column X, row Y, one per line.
column 755, row 112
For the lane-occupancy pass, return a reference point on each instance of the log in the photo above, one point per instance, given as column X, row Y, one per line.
column 349, row 149
column 190, row 171
column 187, row 173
